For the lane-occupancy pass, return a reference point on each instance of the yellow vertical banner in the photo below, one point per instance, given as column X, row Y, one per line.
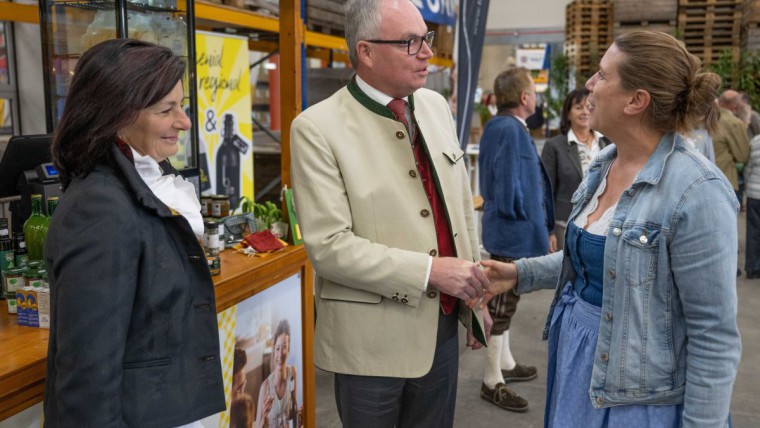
column 225, row 145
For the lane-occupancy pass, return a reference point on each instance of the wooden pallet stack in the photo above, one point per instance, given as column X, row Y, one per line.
column 751, row 26
column 588, row 34
column 443, row 44
column 326, row 16
column 650, row 15
column 709, row 27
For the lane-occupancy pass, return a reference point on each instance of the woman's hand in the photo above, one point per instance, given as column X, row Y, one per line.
column 552, row 243
column 503, row 277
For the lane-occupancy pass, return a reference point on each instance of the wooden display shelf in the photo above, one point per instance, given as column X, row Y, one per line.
column 24, row 349
column 208, row 15
column 27, row 13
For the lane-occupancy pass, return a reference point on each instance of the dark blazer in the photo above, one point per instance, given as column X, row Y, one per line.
column 563, row 165
column 133, row 334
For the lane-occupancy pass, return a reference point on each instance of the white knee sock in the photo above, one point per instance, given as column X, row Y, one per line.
column 507, row 360
column 493, row 367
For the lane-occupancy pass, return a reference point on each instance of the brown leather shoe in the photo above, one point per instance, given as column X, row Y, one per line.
column 519, row 373
column 504, row 397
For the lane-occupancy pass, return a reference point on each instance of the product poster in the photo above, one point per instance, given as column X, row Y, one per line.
column 262, row 359
column 224, row 115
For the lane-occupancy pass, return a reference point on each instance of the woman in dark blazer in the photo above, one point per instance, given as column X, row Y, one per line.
column 133, row 337
column 567, row 155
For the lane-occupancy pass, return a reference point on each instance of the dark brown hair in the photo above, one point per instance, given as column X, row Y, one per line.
column 239, row 361
column 682, row 97
column 574, row 97
column 282, row 328
column 242, row 412
column 112, row 82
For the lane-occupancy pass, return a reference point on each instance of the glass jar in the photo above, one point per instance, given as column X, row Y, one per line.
column 33, row 278
column 11, row 299
column 211, row 237
column 214, row 265
column 206, row 202
column 220, row 206
column 13, row 280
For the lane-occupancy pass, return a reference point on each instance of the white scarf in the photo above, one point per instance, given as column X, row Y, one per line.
column 173, row 190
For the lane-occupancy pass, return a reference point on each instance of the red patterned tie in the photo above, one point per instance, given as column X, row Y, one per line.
column 445, row 245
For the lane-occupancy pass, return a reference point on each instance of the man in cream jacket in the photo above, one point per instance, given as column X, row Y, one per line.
column 385, row 209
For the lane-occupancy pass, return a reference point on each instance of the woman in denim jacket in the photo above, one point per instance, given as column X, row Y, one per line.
column 642, row 330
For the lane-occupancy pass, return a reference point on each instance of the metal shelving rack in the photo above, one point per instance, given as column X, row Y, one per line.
column 64, row 26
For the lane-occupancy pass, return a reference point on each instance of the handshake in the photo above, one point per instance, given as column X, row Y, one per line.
column 474, row 283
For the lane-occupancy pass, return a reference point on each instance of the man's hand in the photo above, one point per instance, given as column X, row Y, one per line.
column 552, row 243
column 458, row 278
column 502, row 278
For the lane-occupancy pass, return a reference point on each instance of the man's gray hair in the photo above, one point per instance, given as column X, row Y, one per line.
column 362, row 23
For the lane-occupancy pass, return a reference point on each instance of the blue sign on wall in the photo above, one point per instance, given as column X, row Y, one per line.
column 438, row 11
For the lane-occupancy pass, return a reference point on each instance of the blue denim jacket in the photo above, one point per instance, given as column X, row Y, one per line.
column 668, row 330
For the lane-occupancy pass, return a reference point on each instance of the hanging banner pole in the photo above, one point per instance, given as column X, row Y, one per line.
column 471, row 32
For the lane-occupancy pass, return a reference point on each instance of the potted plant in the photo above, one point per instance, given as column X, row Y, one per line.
column 270, row 217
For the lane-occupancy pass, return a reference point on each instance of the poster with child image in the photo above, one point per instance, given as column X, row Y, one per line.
column 262, row 360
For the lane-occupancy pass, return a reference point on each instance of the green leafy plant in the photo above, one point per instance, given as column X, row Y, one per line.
column 482, row 112
column 559, row 73
column 743, row 75
column 267, row 213
column 244, row 204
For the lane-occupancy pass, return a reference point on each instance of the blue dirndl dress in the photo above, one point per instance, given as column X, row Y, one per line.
column 573, row 334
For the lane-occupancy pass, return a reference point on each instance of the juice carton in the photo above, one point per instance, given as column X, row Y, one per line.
column 28, row 309
column 43, row 303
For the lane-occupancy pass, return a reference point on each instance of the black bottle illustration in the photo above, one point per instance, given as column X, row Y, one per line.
column 228, row 161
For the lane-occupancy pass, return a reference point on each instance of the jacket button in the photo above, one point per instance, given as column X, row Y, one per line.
column 631, row 192
column 611, row 273
column 599, row 400
column 643, row 239
column 616, row 231
column 608, row 316
column 432, row 294
column 412, row 173
column 395, row 297
column 425, row 213
column 605, row 357
column 400, row 135
column 404, row 300
column 433, row 252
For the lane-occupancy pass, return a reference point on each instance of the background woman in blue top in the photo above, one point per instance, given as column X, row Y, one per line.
column 642, row 330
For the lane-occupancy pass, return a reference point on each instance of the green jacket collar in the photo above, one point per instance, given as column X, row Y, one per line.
column 371, row 104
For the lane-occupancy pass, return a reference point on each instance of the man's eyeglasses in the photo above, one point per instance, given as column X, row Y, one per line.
column 413, row 44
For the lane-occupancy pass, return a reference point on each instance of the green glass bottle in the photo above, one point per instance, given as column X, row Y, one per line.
column 52, row 203
column 32, row 229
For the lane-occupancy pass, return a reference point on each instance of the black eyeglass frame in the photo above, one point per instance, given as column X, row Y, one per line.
column 427, row 38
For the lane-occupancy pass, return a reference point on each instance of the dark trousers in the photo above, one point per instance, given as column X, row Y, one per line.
column 385, row 402
column 752, row 253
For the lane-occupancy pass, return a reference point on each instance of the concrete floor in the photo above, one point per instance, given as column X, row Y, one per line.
column 525, row 338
